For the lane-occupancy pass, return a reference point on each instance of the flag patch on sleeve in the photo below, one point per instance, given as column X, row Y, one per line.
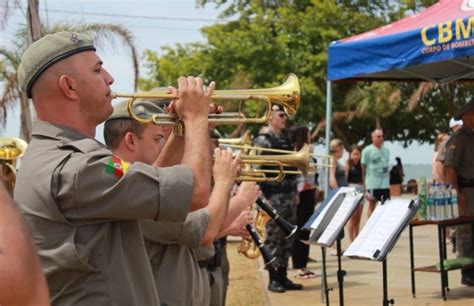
column 117, row 167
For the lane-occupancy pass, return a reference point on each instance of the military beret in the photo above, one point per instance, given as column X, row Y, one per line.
column 468, row 108
column 47, row 51
column 141, row 108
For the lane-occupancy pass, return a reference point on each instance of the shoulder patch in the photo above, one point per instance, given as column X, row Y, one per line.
column 116, row 166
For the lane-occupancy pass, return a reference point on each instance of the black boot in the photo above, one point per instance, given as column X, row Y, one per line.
column 274, row 284
column 285, row 281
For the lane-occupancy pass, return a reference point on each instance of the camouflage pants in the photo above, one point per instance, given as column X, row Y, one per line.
column 281, row 248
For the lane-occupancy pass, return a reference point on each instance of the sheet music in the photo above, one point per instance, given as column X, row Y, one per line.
column 381, row 229
column 321, row 213
column 355, row 247
column 343, row 214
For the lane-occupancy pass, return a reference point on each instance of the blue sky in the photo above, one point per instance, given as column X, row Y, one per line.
column 173, row 22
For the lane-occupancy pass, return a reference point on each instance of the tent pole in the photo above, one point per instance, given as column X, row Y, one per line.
column 328, row 130
column 324, row 291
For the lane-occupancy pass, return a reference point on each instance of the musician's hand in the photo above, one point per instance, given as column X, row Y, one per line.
column 194, row 99
column 170, row 108
column 237, row 228
column 247, row 194
column 225, row 167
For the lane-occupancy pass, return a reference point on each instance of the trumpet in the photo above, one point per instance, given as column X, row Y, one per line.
column 11, row 149
column 244, row 140
column 286, row 95
column 299, row 159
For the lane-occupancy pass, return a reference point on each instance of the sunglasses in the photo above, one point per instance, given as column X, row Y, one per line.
column 282, row 115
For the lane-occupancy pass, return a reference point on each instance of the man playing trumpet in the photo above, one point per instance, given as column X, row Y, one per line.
column 175, row 250
column 81, row 202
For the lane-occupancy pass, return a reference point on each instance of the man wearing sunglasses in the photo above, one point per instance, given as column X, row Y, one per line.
column 283, row 196
column 375, row 158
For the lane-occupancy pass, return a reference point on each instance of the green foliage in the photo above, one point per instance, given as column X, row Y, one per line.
column 268, row 39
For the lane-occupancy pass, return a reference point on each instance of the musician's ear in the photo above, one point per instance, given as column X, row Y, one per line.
column 130, row 141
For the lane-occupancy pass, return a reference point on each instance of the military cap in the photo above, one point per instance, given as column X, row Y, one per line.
column 47, row 51
column 468, row 108
column 453, row 122
column 141, row 108
column 277, row 108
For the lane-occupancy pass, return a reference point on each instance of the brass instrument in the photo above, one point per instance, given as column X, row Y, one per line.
column 252, row 248
column 11, row 149
column 300, row 159
column 244, row 140
column 286, row 95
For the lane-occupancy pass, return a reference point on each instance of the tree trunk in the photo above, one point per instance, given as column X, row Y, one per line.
column 34, row 25
column 25, row 118
column 34, row 33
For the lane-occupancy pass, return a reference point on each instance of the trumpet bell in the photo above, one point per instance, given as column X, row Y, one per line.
column 12, row 148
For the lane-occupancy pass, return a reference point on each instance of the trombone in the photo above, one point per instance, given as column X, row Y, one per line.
column 286, row 95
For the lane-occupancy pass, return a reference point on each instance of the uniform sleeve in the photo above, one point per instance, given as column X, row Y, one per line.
column 190, row 233
column 453, row 152
column 91, row 187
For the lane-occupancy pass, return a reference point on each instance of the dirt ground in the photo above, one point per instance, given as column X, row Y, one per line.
column 245, row 279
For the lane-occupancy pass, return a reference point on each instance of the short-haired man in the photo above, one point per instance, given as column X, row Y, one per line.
column 81, row 203
column 172, row 248
column 375, row 159
column 459, row 170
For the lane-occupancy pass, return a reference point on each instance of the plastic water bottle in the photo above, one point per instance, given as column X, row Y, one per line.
column 438, row 201
column 454, row 203
column 445, row 202
column 431, row 215
column 423, row 197
column 449, row 202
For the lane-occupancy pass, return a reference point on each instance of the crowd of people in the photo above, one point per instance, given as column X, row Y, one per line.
column 143, row 219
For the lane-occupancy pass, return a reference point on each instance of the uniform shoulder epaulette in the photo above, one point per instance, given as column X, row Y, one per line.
column 85, row 145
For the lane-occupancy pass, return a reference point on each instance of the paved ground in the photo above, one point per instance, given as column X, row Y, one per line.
column 363, row 282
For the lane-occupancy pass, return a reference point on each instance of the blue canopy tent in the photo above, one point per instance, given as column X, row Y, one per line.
column 435, row 45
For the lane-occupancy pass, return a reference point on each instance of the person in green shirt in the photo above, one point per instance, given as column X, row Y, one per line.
column 375, row 158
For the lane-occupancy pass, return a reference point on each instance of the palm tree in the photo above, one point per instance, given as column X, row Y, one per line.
column 103, row 33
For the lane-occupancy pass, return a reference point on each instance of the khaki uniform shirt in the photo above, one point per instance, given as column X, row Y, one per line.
column 179, row 279
column 84, row 219
column 460, row 153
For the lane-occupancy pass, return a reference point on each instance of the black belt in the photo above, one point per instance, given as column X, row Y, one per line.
column 203, row 263
column 465, row 182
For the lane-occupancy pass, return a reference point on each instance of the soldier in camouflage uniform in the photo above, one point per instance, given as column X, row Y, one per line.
column 283, row 196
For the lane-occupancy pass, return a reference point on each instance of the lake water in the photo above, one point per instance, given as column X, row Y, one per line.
column 417, row 171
